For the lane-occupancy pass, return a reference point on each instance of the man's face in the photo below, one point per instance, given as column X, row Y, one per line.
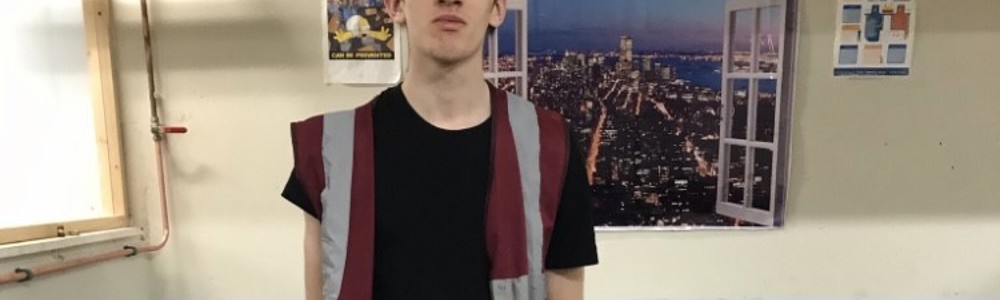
column 448, row 31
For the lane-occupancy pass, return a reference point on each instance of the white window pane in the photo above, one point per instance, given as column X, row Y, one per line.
column 741, row 39
column 769, row 39
column 766, row 107
column 735, row 180
column 762, row 167
column 738, row 106
column 50, row 164
column 509, row 42
column 510, row 84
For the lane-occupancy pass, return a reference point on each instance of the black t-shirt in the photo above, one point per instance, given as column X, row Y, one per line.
column 430, row 197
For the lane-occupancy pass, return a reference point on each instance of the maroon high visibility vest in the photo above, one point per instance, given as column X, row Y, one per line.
column 334, row 160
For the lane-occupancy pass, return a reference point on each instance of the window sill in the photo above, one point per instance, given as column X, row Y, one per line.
column 53, row 244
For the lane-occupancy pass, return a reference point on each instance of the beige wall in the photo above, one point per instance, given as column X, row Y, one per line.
column 893, row 191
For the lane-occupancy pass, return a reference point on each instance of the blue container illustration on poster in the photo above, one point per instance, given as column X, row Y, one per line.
column 873, row 24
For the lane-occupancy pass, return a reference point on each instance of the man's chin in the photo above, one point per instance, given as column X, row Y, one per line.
column 451, row 57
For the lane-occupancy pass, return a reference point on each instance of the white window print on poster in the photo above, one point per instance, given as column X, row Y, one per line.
column 679, row 107
column 874, row 38
column 505, row 53
column 362, row 44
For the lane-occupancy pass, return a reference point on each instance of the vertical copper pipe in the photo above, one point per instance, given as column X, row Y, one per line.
column 147, row 41
column 164, row 212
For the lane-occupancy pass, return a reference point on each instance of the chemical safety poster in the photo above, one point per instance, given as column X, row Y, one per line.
column 874, row 38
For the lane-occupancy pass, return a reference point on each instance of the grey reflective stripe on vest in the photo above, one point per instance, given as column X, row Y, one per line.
column 512, row 289
column 524, row 124
column 338, row 164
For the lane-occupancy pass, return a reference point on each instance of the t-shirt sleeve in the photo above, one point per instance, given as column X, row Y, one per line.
column 572, row 243
column 306, row 183
column 296, row 194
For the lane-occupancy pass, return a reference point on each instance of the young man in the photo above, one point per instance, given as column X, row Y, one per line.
column 442, row 187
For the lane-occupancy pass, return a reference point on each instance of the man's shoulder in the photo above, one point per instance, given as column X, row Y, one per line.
column 544, row 114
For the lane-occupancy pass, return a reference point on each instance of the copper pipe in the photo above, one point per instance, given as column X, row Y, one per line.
column 52, row 268
column 25, row 274
column 157, row 129
column 164, row 212
column 147, row 42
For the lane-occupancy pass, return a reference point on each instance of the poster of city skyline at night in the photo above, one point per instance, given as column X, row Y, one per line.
column 642, row 84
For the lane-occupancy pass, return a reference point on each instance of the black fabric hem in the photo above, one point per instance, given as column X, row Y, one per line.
column 295, row 193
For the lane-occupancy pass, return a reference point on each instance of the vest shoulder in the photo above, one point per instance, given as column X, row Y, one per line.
column 544, row 114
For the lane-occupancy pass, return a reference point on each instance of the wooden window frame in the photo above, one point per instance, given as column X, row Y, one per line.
column 98, row 30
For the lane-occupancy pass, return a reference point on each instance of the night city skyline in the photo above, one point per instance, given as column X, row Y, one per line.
column 642, row 90
column 595, row 25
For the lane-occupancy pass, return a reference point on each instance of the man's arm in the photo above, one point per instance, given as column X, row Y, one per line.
column 313, row 276
column 565, row 284
column 572, row 246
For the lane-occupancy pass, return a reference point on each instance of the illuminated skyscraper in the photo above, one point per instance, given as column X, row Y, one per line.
column 625, row 54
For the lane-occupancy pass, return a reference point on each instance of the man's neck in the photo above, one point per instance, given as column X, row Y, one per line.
column 448, row 96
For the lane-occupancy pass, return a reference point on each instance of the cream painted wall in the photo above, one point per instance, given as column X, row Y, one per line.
column 893, row 191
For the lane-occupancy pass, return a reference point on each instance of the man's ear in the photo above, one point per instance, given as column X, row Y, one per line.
column 499, row 13
column 395, row 10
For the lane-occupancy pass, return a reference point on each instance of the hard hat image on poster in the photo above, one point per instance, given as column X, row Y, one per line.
column 361, row 43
